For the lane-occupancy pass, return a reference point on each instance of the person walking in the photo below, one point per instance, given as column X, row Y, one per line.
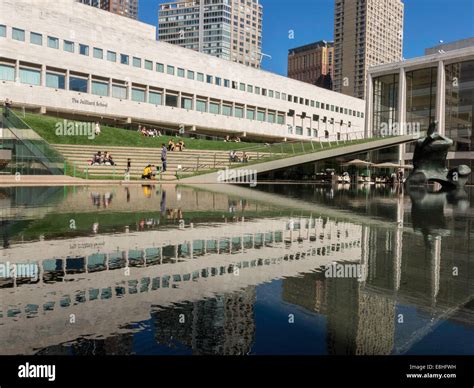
column 164, row 156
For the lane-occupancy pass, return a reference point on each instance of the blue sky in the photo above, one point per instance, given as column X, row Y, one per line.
column 426, row 23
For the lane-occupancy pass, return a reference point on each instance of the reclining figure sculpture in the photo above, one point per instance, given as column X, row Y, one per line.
column 429, row 162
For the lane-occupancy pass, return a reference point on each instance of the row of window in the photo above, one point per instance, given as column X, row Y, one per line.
column 98, row 53
column 100, row 88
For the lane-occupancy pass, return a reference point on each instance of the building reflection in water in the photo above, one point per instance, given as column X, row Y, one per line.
column 195, row 303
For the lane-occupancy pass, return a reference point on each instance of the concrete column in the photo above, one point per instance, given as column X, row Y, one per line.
column 66, row 81
column 441, row 97
column 17, row 71
column 89, row 83
column 129, row 90
column 369, row 107
column 402, row 111
column 43, row 75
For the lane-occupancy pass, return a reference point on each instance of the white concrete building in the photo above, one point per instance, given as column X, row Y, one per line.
column 63, row 56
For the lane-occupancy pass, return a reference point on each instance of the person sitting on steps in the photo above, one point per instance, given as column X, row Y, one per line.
column 148, row 172
column 171, row 145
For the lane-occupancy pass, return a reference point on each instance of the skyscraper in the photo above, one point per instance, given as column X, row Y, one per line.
column 229, row 29
column 366, row 33
column 128, row 8
column 312, row 63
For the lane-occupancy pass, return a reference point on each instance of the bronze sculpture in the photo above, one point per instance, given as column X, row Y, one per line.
column 429, row 162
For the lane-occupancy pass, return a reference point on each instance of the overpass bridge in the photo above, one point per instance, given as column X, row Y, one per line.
column 317, row 154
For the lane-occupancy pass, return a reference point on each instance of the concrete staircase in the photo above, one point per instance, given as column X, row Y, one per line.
column 191, row 161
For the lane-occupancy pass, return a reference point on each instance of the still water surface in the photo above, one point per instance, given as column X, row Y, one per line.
column 169, row 270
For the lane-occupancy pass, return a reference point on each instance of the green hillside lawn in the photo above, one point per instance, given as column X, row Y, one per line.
column 45, row 126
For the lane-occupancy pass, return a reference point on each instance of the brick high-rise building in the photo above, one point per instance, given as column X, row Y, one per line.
column 229, row 29
column 312, row 63
column 366, row 33
column 128, row 8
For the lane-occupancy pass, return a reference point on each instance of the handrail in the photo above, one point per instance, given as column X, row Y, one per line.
column 42, row 152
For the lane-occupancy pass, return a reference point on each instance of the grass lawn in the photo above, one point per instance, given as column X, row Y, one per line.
column 45, row 126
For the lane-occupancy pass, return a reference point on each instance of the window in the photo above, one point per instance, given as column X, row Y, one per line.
column 186, row 103
column 111, row 56
column 148, row 65
column 98, row 53
column 18, row 34
column 138, row 95
column 36, row 38
column 124, row 59
column 277, row 95
column 30, row 76
column 218, row 81
column 271, row 117
column 312, row 103
column 160, row 68
column 270, row 93
column 283, row 96
column 227, row 110
column 171, row 100
column 170, row 70
column 281, row 119
column 260, row 115
column 137, row 62
column 209, row 79
column 239, row 112
column 119, row 92
column 83, row 49
column 53, row 42
column 257, row 90
column 57, row 81
column 155, row 98
column 100, row 88
column 299, row 130
column 249, row 88
column 250, row 114
column 200, row 77
column 242, row 87
column 190, row 74
column 214, row 107
column 180, row 72
column 201, row 106
column 3, row 30
column 264, row 92
column 7, row 73
column 78, row 84
column 68, row 46
column 317, row 104
column 226, row 83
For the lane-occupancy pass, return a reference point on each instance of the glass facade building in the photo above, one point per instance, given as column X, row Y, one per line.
column 417, row 92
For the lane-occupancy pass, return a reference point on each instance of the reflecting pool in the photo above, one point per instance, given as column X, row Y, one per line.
column 276, row 269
